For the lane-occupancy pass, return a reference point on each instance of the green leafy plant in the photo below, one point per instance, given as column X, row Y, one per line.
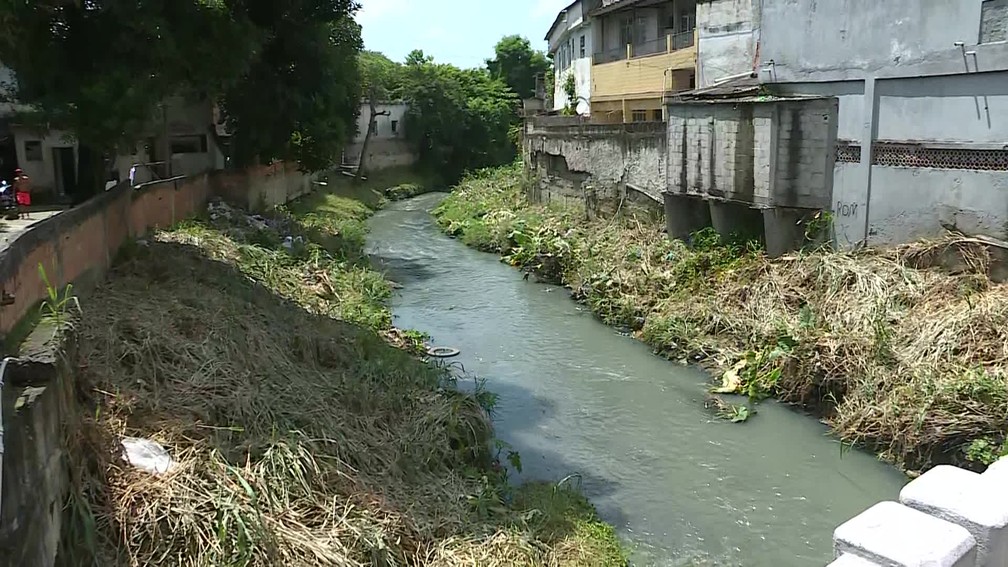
column 57, row 303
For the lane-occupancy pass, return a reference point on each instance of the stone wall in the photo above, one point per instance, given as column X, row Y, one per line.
column 79, row 245
column 598, row 166
column 763, row 154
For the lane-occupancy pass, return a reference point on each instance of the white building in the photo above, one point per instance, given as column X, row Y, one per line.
column 570, row 45
column 388, row 146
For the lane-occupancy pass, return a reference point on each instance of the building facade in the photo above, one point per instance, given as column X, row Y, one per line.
column 645, row 51
column 923, row 109
column 571, row 44
column 388, row 146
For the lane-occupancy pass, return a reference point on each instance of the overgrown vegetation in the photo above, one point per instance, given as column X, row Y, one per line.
column 898, row 356
column 256, row 350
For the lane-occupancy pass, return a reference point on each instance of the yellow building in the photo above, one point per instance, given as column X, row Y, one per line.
column 646, row 50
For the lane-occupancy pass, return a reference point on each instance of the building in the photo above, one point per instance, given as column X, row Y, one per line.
column 644, row 50
column 388, row 146
column 923, row 108
column 571, row 44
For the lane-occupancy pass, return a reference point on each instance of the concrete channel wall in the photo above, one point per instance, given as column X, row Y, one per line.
column 79, row 245
column 948, row 517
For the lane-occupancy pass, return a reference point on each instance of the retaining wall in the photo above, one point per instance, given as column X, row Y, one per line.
column 79, row 245
column 949, row 517
column 599, row 165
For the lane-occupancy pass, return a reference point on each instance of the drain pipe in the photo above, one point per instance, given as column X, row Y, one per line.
column 3, row 370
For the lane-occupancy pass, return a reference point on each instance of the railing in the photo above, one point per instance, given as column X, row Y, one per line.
column 665, row 44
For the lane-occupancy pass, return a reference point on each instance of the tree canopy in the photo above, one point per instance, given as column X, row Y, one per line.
column 518, row 65
column 460, row 119
column 98, row 69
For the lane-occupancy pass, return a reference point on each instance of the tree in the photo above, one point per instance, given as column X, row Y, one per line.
column 300, row 98
column 518, row 65
column 459, row 119
column 381, row 78
column 99, row 69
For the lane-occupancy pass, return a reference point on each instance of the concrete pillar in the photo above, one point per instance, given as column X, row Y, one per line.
column 783, row 229
column 731, row 219
column 964, row 498
column 685, row 215
column 891, row 534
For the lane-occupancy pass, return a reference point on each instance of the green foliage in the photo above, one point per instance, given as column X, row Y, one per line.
column 57, row 303
column 518, row 65
column 985, row 450
column 300, row 96
column 380, row 74
column 459, row 119
column 570, row 91
column 99, row 70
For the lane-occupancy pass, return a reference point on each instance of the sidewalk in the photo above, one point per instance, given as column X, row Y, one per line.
column 11, row 229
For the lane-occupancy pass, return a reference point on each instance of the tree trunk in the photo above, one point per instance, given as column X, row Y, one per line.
column 367, row 137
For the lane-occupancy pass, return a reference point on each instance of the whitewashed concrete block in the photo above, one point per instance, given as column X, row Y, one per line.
column 998, row 470
column 894, row 535
column 848, row 560
column 964, row 498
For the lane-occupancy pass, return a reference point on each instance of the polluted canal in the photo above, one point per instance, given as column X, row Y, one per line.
column 576, row 397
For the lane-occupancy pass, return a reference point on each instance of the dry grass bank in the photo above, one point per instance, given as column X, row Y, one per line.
column 908, row 360
column 300, row 437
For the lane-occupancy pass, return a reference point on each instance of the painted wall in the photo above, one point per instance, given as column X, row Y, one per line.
column 42, row 172
column 566, row 38
column 642, row 77
column 759, row 154
column 728, row 34
column 933, row 113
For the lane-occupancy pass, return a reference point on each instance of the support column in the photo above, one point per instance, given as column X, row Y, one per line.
column 685, row 215
column 731, row 219
column 783, row 229
column 868, row 134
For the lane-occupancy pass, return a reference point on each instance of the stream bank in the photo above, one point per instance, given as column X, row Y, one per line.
column 901, row 358
column 260, row 352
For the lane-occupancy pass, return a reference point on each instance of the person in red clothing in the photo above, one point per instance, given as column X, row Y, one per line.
column 22, row 192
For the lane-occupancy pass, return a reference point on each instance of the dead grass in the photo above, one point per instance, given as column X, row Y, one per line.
column 901, row 350
column 299, row 438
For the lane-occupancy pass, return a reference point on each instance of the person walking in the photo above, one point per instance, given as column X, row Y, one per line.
column 22, row 192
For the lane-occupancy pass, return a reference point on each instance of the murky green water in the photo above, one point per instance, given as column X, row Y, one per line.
column 576, row 397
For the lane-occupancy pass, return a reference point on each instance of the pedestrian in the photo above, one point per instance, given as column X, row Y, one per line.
column 22, row 192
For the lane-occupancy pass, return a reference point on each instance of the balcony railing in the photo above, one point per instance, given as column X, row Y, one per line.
column 665, row 44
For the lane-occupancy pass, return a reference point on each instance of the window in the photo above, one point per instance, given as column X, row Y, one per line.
column 657, row 115
column 374, row 127
column 692, row 81
column 626, row 31
column 688, row 23
column 33, row 150
column 639, row 116
column 582, row 46
column 188, row 145
column 395, row 127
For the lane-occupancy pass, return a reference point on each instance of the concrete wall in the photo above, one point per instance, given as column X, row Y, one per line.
column 597, row 166
column 948, row 517
column 582, row 71
column 760, row 154
column 387, row 147
column 728, row 35
column 922, row 119
column 39, row 414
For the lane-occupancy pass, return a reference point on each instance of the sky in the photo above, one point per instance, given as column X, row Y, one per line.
column 461, row 32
